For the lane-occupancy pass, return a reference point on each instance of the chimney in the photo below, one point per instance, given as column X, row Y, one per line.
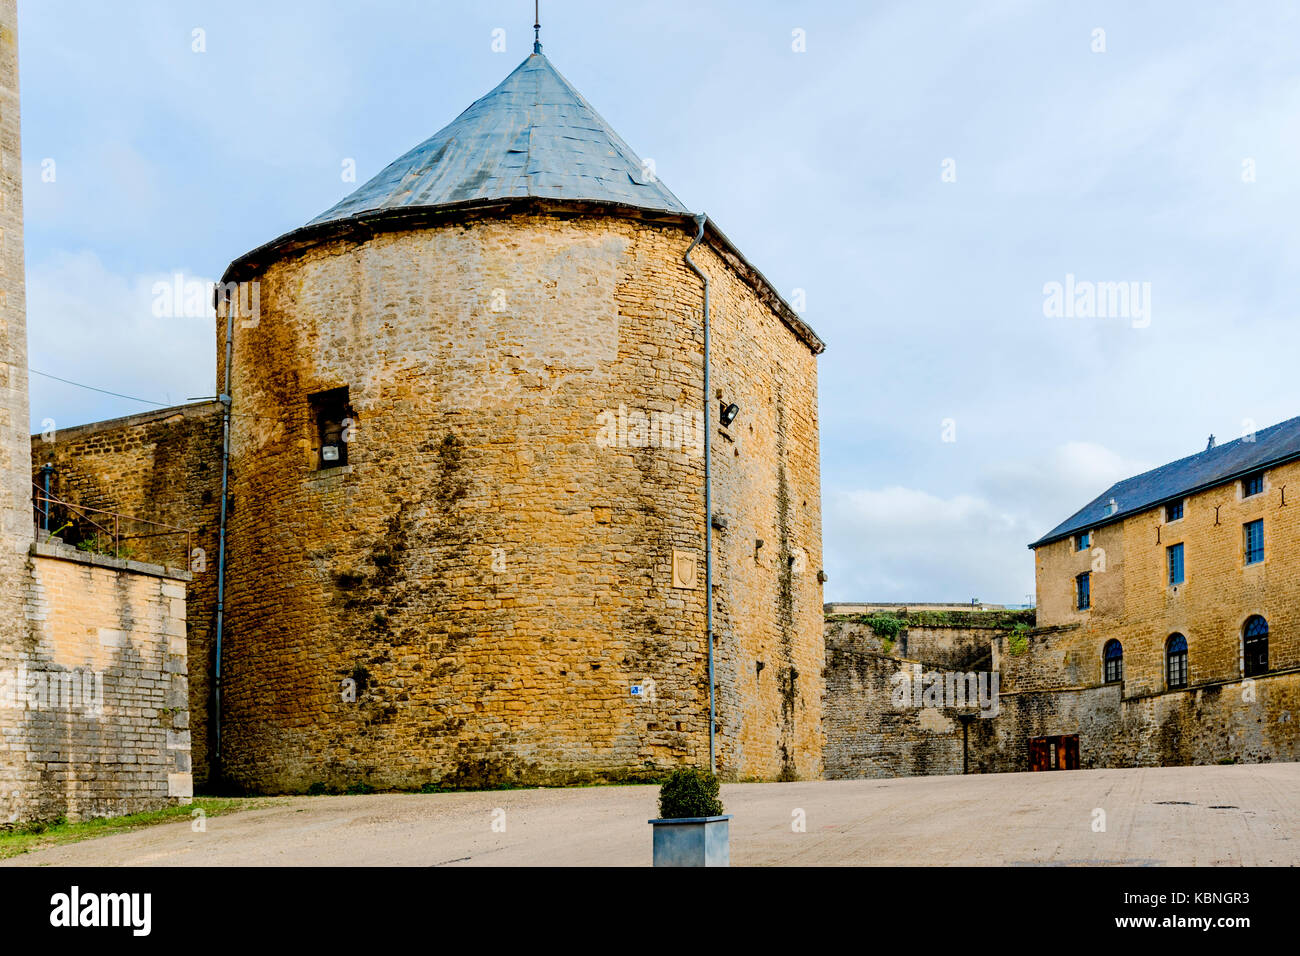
column 1112, row 505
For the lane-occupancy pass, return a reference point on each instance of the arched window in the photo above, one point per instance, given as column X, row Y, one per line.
column 1254, row 645
column 1113, row 658
column 1176, row 661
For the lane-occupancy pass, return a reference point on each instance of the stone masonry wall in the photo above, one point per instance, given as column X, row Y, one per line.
column 93, row 698
column 1133, row 601
column 1055, row 684
column 163, row 466
column 1047, row 689
column 866, row 734
column 94, row 708
column 15, row 467
column 767, row 487
column 493, row 569
column 1052, row 688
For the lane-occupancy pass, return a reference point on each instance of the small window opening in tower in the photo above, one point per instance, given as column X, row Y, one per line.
column 333, row 417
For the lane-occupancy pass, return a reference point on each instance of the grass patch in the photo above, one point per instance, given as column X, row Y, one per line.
column 36, row 836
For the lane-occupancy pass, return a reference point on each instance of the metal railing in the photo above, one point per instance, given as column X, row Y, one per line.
column 111, row 533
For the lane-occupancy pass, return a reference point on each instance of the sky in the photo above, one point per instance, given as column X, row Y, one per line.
column 919, row 175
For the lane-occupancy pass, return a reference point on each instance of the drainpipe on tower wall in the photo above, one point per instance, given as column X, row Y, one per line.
column 700, row 220
column 47, row 472
column 225, row 400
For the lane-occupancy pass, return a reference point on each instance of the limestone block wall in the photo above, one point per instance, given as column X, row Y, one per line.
column 1048, row 689
column 163, row 466
column 1049, row 658
column 1054, row 682
column 867, row 735
column 1236, row 722
column 1134, row 603
column 15, row 492
column 767, row 491
column 492, row 571
column 15, row 487
column 947, row 640
column 94, row 708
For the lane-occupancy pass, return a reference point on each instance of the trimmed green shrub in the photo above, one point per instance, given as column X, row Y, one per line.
column 689, row 792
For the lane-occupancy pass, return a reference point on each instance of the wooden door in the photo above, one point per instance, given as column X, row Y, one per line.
column 1039, row 754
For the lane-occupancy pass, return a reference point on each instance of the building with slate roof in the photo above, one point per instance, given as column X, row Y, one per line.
column 473, row 502
column 1168, row 620
column 1166, row 633
column 466, row 539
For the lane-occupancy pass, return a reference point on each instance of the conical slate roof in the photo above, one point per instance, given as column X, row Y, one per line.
column 533, row 136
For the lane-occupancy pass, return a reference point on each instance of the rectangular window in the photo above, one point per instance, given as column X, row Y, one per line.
column 1255, row 542
column 1177, row 673
column 332, row 417
column 1175, row 553
column 1114, row 669
column 1083, row 591
column 1173, row 510
column 1252, row 485
column 1083, row 541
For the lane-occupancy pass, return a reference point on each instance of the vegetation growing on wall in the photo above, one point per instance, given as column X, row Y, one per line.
column 886, row 627
column 1018, row 640
column 990, row 620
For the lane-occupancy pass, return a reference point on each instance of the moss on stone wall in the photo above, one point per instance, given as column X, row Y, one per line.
column 991, row 620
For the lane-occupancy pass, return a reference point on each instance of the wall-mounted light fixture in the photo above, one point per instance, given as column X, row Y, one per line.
column 727, row 414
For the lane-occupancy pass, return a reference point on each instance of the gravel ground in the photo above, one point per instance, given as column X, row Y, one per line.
column 1232, row 815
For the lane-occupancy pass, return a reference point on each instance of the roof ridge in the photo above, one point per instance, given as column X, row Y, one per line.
column 1204, row 451
column 1201, row 470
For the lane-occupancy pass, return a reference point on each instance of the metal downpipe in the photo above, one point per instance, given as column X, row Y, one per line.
column 226, row 401
column 701, row 220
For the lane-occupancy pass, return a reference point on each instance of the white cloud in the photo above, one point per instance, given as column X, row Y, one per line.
column 91, row 325
column 898, row 543
column 901, row 543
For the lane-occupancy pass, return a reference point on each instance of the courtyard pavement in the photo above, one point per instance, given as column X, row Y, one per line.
column 1231, row 815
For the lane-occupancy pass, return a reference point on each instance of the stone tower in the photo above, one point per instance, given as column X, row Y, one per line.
column 15, row 445
column 466, row 520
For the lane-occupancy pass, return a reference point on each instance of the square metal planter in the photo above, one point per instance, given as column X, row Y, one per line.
column 693, row 841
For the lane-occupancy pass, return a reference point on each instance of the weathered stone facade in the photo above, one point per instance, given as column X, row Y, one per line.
column 165, row 467
column 1056, row 685
column 15, row 492
column 497, row 574
column 866, row 734
column 15, row 467
column 493, row 568
column 1133, row 601
column 1232, row 722
column 95, row 707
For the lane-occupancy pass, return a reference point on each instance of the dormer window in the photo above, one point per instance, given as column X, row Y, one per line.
column 1252, row 485
column 1174, row 510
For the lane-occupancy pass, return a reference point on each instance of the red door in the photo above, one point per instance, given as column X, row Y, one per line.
column 1039, row 755
column 1060, row 752
column 1070, row 752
